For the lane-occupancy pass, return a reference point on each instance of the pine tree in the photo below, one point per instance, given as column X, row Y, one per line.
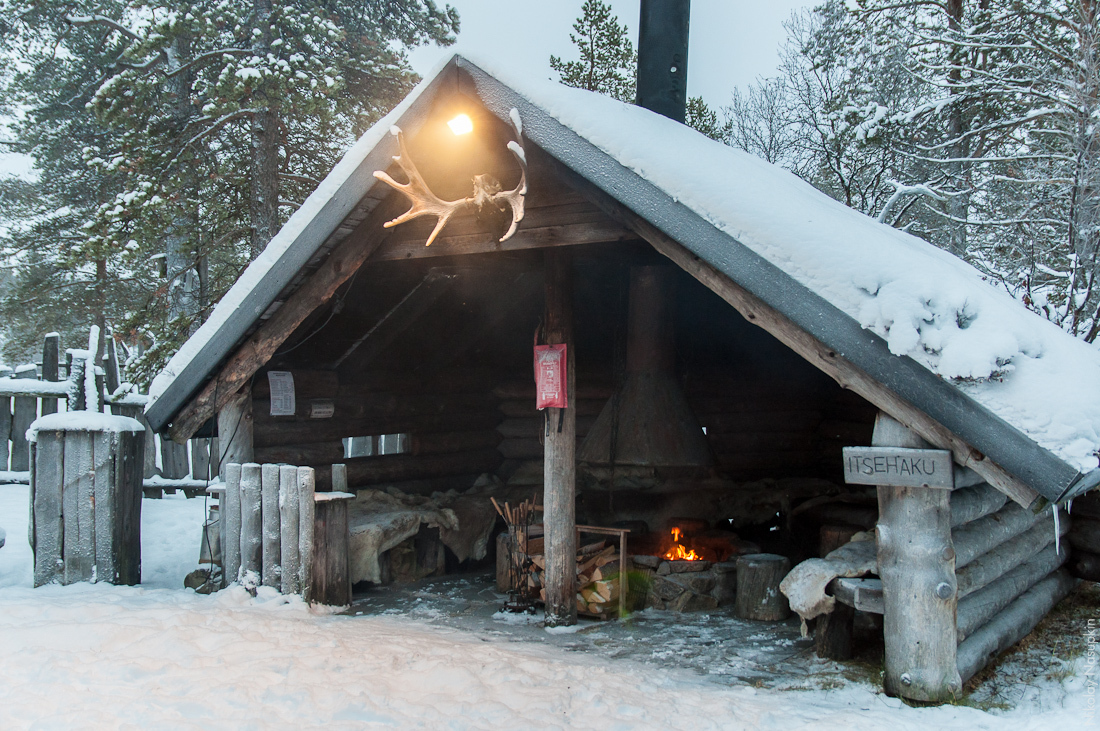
column 608, row 63
column 212, row 121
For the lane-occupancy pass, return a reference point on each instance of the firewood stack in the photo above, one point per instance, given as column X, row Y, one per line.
column 597, row 579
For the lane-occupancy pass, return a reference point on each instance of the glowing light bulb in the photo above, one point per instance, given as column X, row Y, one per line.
column 461, row 125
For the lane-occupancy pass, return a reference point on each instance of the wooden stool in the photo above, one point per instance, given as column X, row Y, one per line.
column 758, row 595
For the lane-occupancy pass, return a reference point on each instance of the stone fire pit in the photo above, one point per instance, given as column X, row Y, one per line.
column 686, row 586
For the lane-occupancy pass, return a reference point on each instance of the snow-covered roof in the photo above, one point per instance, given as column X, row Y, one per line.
column 962, row 350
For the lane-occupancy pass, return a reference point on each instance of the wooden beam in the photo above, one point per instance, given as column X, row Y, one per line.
column 560, row 466
column 841, row 370
column 258, row 348
column 548, row 226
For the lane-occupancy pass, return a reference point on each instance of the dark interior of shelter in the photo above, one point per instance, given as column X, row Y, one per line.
column 688, row 415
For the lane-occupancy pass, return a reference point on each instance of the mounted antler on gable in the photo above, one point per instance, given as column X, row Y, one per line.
column 486, row 188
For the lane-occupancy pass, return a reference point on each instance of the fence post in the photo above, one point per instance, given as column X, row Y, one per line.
column 87, row 501
column 51, row 353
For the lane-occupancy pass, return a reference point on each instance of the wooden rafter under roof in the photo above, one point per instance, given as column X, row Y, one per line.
column 335, row 236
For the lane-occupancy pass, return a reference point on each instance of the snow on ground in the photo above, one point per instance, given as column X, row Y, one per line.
column 97, row 656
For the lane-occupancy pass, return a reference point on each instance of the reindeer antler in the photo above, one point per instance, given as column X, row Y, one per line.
column 426, row 203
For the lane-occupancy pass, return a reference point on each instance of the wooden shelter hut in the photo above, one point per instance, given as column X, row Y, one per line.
column 728, row 328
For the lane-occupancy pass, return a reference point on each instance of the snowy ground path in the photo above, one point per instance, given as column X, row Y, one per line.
column 95, row 656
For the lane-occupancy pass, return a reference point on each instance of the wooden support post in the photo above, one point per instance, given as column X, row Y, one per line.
column 306, row 486
column 231, row 549
column 331, row 575
column 51, row 353
column 916, row 561
column 200, row 459
column 288, row 529
column 339, row 478
column 235, row 429
column 215, row 458
column 149, row 462
column 251, row 525
column 833, row 633
column 272, row 556
column 173, row 459
column 559, row 471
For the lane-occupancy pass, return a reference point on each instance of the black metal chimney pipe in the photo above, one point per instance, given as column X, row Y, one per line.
column 663, row 57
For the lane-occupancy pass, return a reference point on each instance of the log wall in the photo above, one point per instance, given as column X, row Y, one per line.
column 1010, row 568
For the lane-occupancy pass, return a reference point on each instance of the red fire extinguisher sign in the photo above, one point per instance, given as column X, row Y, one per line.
column 550, row 377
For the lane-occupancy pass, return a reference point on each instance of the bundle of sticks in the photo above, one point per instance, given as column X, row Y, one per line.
column 522, row 514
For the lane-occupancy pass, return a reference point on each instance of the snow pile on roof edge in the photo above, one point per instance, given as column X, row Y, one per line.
column 923, row 301
column 82, row 421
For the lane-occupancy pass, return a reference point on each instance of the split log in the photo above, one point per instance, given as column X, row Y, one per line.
column 46, row 504
column 288, row 529
column 51, row 367
column 77, row 500
column 173, row 459
column 232, row 516
column 26, row 410
column 340, row 478
column 251, row 524
column 971, row 503
column 862, row 594
column 833, row 633
column 200, row 459
column 1085, row 534
column 1013, row 623
column 306, row 487
column 272, row 553
column 982, row 535
column 758, row 595
column 917, row 567
column 5, row 430
column 331, row 573
column 1085, row 566
column 985, row 603
column 1007, row 556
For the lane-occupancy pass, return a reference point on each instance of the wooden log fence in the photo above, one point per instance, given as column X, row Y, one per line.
column 32, row 390
column 280, row 532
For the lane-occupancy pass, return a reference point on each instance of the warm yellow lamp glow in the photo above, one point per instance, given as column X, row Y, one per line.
column 461, row 125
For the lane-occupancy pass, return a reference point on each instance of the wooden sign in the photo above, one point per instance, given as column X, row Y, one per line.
column 899, row 467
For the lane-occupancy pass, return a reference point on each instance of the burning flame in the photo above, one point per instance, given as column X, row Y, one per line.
column 678, row 552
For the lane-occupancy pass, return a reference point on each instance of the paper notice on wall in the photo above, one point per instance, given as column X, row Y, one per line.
column 282, row 393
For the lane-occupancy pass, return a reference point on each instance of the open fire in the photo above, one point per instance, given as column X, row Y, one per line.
column 678, row 552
